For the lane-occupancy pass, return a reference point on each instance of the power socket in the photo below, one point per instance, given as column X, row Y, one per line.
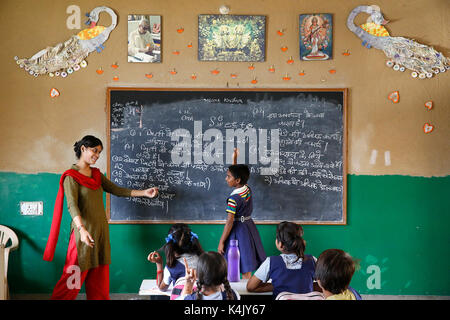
column 31, row 208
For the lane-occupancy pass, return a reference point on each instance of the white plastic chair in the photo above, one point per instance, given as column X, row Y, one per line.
column 6, row 234
column 314, row 295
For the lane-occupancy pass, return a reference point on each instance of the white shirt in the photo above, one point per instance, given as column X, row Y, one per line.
column 138, row 41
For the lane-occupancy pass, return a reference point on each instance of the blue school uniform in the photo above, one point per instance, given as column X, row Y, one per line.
column 177, row 271
column 240, row 204
column 299, row 280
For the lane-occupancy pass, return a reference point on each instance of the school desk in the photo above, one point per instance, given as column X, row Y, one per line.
column 149, row 288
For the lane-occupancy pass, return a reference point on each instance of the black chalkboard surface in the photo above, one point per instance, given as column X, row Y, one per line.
column 182, row 140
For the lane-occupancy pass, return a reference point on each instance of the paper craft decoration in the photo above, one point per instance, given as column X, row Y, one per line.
column 70, row 55
column 54, row 93
column 316, row 36
column 231, row 38
column 346, row 53
column 394, row 97
column 144, row 38
column 427, row 128
column 403, row 53
column 429, row 105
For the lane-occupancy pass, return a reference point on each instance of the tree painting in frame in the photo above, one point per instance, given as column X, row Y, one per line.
column 231, row 38
column 316, row 36
column 144, row 38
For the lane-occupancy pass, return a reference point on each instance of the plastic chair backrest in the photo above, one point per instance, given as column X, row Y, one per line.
column 7, row 234
column 3, row 283
column 314, row 295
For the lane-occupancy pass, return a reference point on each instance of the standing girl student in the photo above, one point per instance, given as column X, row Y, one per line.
column 239, row 225
column 292, row 271
column 212, row 283
column 181, row 245
column 89, row 250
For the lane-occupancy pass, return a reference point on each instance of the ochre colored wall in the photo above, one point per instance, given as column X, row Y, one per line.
column 39, row 132
column 397, row 214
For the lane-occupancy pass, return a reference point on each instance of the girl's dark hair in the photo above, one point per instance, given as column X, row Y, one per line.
column 335, row 269
column 212, row 270
column 290, row 236
column 240, row 171
column 87, row 141
column 180, row 240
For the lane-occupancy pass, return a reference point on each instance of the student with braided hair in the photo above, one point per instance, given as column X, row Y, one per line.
column 211, row 276
column 181, row 245
column 292, row 271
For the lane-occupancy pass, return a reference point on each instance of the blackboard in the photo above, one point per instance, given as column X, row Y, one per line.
column 181, row 140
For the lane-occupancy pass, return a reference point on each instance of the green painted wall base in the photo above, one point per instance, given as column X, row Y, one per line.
column 397, row 228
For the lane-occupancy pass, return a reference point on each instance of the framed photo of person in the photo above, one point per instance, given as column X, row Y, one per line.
column 144, row 38
column 316, row 36
column 231, row 38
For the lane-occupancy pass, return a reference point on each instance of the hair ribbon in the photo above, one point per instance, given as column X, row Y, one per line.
column 169, row 238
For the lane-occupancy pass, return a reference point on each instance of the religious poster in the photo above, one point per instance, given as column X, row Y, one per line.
column 316, row 36
column 144, row 38
column 231, row 38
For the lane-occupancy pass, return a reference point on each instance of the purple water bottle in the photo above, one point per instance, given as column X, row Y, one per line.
column 233, row 262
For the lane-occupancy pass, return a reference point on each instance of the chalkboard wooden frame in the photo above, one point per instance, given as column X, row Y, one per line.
column 344, row 92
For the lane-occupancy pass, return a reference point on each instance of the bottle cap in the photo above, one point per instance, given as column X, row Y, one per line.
column 233, row 243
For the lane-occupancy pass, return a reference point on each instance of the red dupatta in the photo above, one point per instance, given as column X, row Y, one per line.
column 92, row 183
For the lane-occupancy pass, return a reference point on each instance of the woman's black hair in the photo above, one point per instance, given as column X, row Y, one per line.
column 87, row 141
column 212, row 270
column 290, row 236
column 240, row 171
column 180, row 240
column 335, row 269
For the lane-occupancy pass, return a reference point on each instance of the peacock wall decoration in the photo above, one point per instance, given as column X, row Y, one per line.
column 69, row 56
column 403, row 53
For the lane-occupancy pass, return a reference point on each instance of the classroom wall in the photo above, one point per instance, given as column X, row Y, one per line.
column 397, row 209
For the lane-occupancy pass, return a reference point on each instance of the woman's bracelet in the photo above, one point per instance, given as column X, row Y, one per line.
column 80, row 226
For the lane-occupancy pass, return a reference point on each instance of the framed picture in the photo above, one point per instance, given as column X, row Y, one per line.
column 316, row 36
column 231, row 38
column 144, row 38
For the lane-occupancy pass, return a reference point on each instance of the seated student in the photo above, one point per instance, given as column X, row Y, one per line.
column 292, row 271
column 334, row 271
column 181, row 245
column 212, row 283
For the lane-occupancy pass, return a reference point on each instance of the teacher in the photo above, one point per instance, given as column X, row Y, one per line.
column 89, row 252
